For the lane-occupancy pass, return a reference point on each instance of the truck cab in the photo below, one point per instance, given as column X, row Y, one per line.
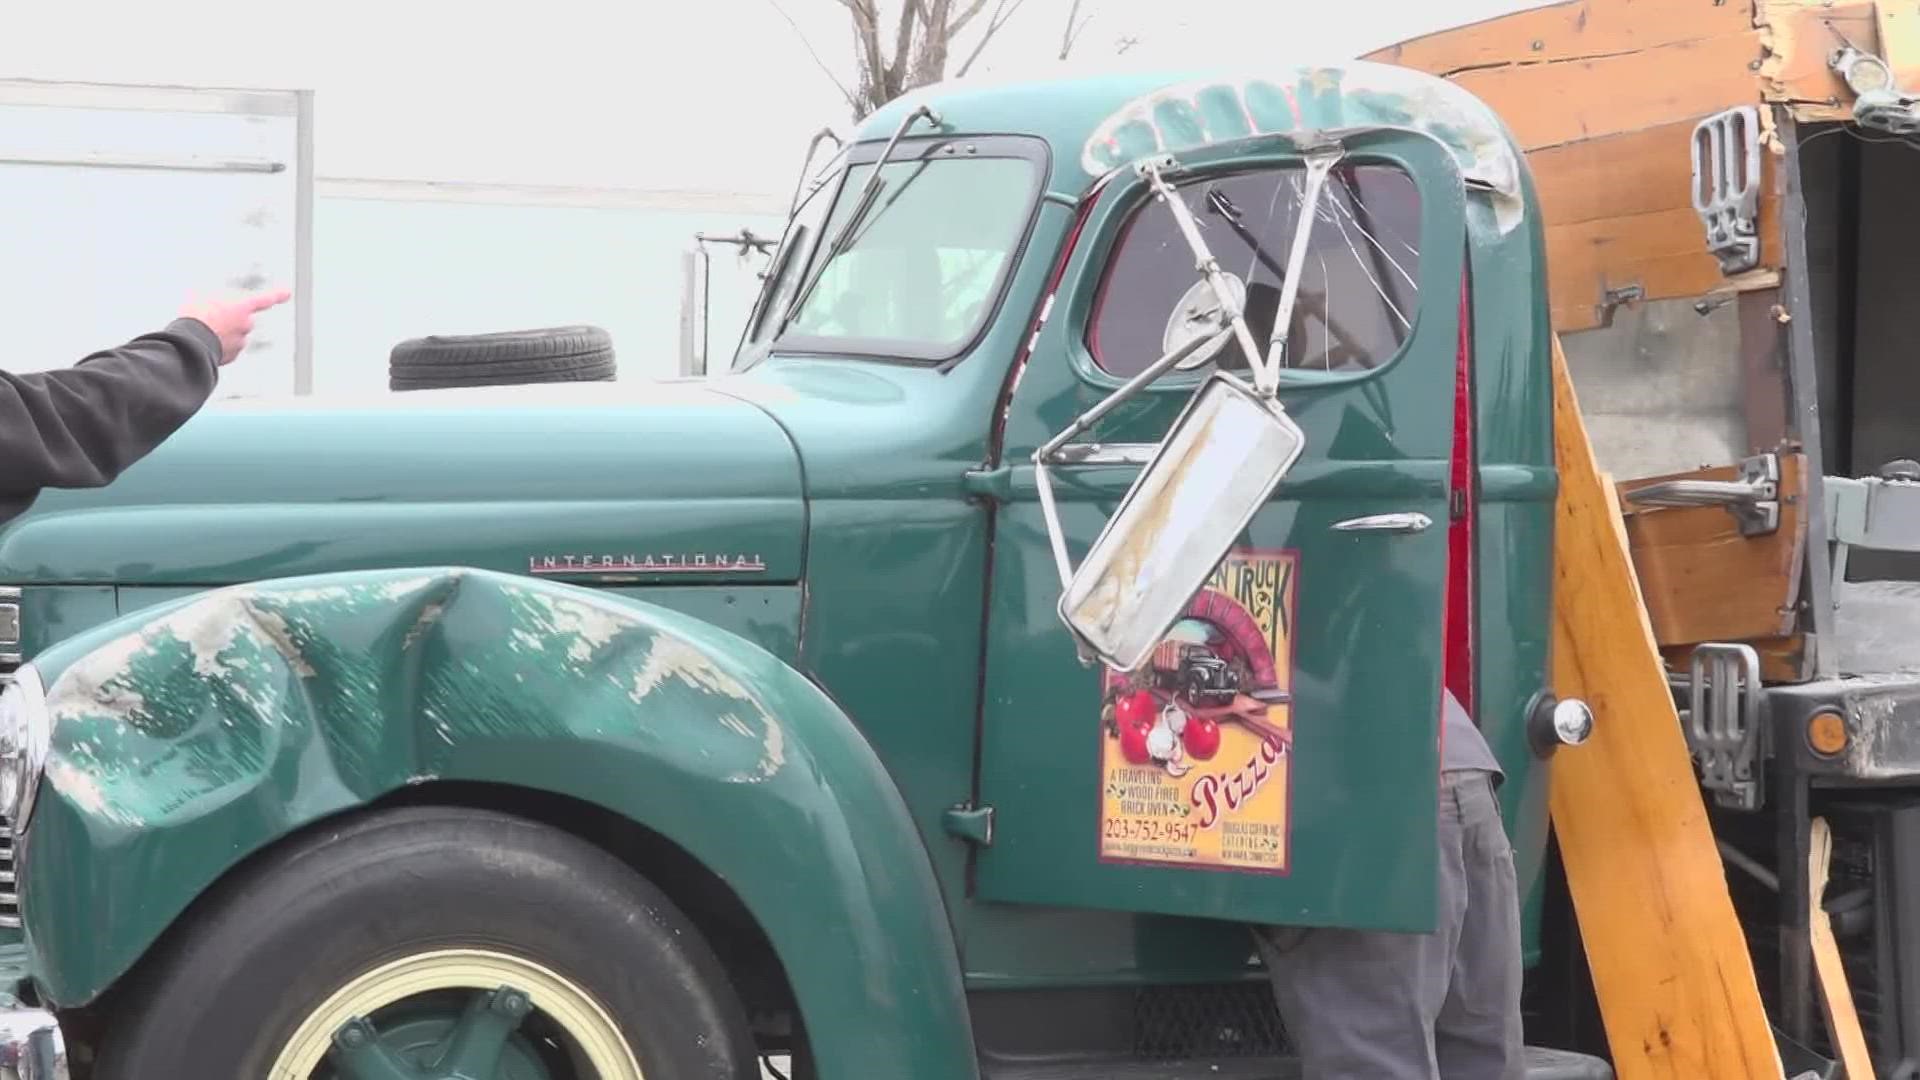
column 833, row 705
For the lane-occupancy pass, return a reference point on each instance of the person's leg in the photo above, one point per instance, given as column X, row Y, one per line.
column 1478, row 1033
column 1361, row 1005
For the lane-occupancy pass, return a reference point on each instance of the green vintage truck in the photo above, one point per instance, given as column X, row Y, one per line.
column 632, row 729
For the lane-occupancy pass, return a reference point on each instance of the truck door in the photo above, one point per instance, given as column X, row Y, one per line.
column 1278, row 758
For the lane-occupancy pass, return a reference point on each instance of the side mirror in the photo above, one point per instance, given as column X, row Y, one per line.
column 696, row 288
column 1218, row 464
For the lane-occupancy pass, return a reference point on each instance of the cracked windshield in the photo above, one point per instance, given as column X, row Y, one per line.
column 1359, row 288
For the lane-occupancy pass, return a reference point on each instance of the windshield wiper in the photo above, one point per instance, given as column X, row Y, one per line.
column 844, row 238
column 800, row 184
column 1224, row 206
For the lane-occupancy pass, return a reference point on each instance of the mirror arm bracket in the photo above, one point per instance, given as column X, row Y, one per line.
column 1320, row 163
column 1050, row 452
column 1230, row 323
column 1154, row 171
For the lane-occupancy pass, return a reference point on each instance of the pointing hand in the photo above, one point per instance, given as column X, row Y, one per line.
column 232, row 320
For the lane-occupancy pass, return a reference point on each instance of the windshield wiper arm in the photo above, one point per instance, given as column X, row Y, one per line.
column 842, row 239
column 800, row 184
column 1224, row 207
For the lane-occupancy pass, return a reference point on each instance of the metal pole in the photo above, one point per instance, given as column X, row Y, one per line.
column 1803, row 379
column 303, row 244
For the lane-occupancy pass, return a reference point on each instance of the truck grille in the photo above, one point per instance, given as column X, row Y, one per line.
column 1231, row 1020
column 10, row 652
column 9, row 891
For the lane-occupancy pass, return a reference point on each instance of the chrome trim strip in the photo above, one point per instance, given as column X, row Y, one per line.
column 1391, row 523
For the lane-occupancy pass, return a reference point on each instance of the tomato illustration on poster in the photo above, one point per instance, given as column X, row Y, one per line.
column 1197, row 746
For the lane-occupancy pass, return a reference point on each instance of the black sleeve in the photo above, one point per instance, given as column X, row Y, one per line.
column 79, row 427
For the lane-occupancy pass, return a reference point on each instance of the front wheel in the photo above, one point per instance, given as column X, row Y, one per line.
column 433, row 944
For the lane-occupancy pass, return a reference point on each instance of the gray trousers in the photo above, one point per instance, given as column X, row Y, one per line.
column 1368, row 1005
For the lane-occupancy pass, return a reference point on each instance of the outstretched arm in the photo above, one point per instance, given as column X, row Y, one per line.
column 82, row 426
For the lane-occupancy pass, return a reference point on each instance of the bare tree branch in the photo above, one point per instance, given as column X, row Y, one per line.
column 1002, row 12
column 922, row 43
column 910, row 11
column 815, row 53
column 930, row 59
column 873, row 64
column 1075, row 27
column 960, row 21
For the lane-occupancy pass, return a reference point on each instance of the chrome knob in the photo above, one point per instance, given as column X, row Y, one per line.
column 1572, row 721
column 1556, row 722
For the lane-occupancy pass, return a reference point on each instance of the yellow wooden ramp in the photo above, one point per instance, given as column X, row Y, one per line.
column 1670, row 964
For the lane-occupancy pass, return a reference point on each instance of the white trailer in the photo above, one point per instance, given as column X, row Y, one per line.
column 117, row 202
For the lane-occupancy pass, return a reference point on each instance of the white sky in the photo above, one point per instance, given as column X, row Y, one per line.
column 716, row 95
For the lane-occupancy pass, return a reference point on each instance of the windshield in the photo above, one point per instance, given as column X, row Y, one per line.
column 921, row 269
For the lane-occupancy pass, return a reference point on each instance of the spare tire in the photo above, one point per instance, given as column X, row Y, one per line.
column 556, row 354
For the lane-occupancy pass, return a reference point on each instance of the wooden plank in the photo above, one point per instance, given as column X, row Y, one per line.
column 1550, row 104
column 1763, row 367
column 1627, row 175
column 1664, row 253
column 1843, row 1022
column 1603, row 95
column 1676, row 986
column 1634, row 172
column 1567, row 31
column 1782, row 659
column 1619, row 212
column 1703, row 580
column 1800, row 34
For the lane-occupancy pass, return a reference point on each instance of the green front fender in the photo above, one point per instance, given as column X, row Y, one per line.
column 190, row 736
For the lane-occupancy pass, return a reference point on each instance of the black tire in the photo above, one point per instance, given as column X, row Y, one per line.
column 560, row 354
column 229, row 989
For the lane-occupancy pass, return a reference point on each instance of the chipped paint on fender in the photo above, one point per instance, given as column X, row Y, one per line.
column 194, row 734
column 1202, row 113
column 676, row 660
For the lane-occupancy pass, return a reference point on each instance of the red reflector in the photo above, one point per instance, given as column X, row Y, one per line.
column 1459, row 631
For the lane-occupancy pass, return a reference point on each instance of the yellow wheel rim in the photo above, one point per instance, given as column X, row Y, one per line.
column 573, row 1009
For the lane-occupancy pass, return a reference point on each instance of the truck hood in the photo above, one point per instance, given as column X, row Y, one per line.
column 624, row 482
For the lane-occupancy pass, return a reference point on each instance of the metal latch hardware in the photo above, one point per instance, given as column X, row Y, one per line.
column 1879, row 102
column 971, row 823
column 1753, row 500
column 1723, row 723
column 1726, row 185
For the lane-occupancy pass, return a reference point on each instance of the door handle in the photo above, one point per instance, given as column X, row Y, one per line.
column 1753, row 500
column 1391, row 523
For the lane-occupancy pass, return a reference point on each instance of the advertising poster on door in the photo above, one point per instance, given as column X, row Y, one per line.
column 1197, row 746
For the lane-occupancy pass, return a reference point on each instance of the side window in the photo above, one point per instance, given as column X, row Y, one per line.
column 1357, row 296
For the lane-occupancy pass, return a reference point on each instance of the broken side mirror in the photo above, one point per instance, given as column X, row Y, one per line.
column 696, row 290
column 1218, row 464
